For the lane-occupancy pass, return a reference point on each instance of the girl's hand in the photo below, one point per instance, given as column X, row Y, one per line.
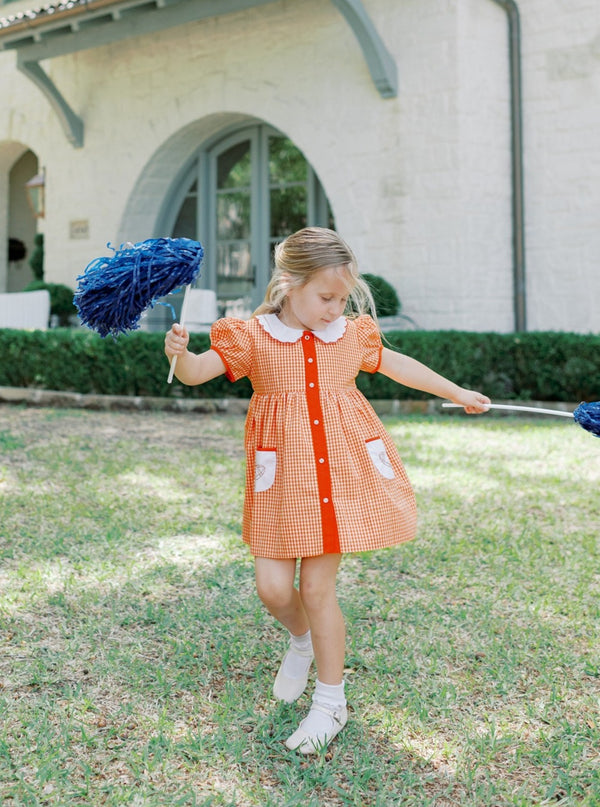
column 474, row 402
column 191, row 368
column 176, row 341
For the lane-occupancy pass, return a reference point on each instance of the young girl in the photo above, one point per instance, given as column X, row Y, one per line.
column 323, row 477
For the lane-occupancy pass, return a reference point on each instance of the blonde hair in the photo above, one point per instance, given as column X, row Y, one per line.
column 298, row 259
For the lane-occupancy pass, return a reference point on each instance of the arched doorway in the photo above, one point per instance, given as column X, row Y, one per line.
column 18, row 227
column 241, row 194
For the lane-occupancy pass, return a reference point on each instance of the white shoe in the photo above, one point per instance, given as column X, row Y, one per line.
column 289, row 689
column 307, row 742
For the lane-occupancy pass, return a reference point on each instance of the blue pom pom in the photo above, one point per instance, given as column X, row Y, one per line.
column 588, row 417
column 113, row 292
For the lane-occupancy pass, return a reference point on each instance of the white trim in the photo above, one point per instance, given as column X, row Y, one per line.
column 283, row 333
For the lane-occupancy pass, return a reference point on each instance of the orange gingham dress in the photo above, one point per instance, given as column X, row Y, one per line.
column 322, row 474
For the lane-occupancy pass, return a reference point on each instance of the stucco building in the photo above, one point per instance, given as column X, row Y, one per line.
column 454, row 143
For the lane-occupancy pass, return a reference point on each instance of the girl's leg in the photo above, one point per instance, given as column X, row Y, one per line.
column 328, row 714
column 314, row 607
column 275, row 586
column 318, row 595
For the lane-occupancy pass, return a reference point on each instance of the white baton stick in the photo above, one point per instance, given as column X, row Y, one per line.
column 535, row 409
column 181, row 322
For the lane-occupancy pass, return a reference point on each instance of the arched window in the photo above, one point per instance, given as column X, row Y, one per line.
column 240, row 197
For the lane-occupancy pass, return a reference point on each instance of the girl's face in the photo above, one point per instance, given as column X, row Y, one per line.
column 322, row 300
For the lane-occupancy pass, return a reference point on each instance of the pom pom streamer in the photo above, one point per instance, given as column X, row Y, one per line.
column 113, row 292
column 587, row 415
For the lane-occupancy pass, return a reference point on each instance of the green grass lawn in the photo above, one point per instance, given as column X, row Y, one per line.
column 136, row 662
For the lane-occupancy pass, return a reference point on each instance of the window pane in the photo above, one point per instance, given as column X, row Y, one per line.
column 235, row 275
column 286, row 162
column 233, row 215
column 235, row 278
column 185, row 226
column 234, row 260
column 234, row 167
column 288, row 211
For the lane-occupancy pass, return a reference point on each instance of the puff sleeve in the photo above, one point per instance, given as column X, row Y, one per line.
column 370, row 342
column 229, row 337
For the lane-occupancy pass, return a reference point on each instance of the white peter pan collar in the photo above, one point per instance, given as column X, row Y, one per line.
column 283, row 333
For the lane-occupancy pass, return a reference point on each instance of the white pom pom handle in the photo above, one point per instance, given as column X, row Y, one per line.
column 184, row 306
column 535, row 409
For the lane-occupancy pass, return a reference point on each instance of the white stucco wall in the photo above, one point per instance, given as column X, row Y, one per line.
column 419, row 184
column 562, row 126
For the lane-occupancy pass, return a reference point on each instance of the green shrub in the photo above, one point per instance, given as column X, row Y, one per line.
column 61, row 300
column 538, row 366
column 387, row 302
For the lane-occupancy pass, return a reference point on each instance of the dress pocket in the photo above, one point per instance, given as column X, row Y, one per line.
column 381, row 461
column 265, row 463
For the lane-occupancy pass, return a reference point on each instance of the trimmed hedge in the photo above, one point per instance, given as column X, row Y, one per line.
column 531, row 366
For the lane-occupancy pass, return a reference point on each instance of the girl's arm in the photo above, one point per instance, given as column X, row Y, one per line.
column 191, row 368
column 412, row 373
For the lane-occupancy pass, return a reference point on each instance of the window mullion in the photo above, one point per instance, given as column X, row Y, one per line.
column 208, row 274
column 261, row 214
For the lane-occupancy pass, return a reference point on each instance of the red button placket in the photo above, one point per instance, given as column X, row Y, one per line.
column 331, row 541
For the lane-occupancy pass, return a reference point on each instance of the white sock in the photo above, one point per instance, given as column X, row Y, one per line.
column 297, row 663
column 331, row 696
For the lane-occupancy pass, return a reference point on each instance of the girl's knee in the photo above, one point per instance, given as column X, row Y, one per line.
column 318, row 581
column 275, row 582
column 317, row 594
column 274, row 593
